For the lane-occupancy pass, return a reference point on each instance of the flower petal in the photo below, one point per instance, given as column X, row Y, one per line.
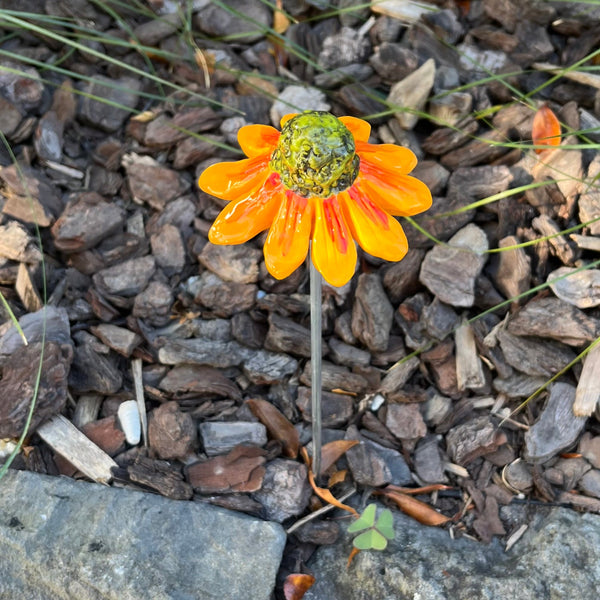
column 287, row 243
column 376, row 231
column 255, row 140
column 286, row 118
column 242, row 220
column 333, row 250
column 399, row 195
column 386, row 158
column 235, row 180
column 358, row 128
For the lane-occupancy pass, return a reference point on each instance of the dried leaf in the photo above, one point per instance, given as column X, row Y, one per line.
column 240, row 470
column 427, row 489
column 415, row 508
column 277, row 425
column 545, row 129
column 323, row 493
column 280, row 20
column 337, row 477
column 343, row 392
column 333, row 450
column 354, row 552
column 296, row 584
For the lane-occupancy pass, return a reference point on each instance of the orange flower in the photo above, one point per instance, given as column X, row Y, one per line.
column 319, row 183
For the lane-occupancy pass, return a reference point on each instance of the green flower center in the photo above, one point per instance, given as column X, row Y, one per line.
column 315, row 155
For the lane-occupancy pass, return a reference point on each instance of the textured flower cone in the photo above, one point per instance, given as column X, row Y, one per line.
column 318, row 182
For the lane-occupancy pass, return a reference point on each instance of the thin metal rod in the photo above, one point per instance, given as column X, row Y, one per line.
column 315, row 361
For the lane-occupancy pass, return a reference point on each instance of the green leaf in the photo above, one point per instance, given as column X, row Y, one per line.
column 366, row 520
column 385, row 524
column 370, row 540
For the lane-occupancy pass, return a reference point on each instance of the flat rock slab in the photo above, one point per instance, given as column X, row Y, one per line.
column 425, row 563
column 65, row 539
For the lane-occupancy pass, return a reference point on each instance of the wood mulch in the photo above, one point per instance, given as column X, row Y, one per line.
column 425, row 361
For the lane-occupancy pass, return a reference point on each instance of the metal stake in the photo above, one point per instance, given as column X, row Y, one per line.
column 315, row 361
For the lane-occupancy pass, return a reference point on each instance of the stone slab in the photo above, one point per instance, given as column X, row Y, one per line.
column 63, row 539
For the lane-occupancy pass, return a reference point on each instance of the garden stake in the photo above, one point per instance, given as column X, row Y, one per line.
column 315, row 363
column 318, row 186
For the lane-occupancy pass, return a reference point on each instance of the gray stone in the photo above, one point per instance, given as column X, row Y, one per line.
column 86, row 220
column 534, row 356
column 474, row 438
column 285, row 491
column 21, row 85
column 336, row 409
column 436, row 409
column 10, row 117
column 477, row 183
column 118, row 338
column 424, row 563
column 428, row 461
column 518, row 385
column 555, row 319
column 241, row 19
column 16, row 243
column 589, row 446
column 405, row 421
column 48, row 140
column 50, row 321
column 203, row 351
column 71, row 539
column 590, row 483
column 127, row 278
column 393, row 62
column 439, row 319
column 343, row 48
column 512, row 268
column 477, row 61
column 450, row 271
column 336, row 377
column 296, row 98
column 451, row 109
column 154, row 303
column 394, row 462
column 264, row 367
column 398, row 375
column 230, row 127
column 345, row 354
column 579, row 288
column 372, row 313
column 106, row 115
column 152, row 183
column 332, row 79
column 285, row 335
column 367, row 464
column 411, row 93
column 225, row 298
column 237, row 263
column 221, row 437
column 168, row 250
column 557, row 428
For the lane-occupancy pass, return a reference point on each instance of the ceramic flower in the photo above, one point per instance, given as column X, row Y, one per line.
column 317, row 184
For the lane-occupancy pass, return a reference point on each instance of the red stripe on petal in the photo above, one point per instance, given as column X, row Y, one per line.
column 296, row 207
column 369, row 208
column 335, row 226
